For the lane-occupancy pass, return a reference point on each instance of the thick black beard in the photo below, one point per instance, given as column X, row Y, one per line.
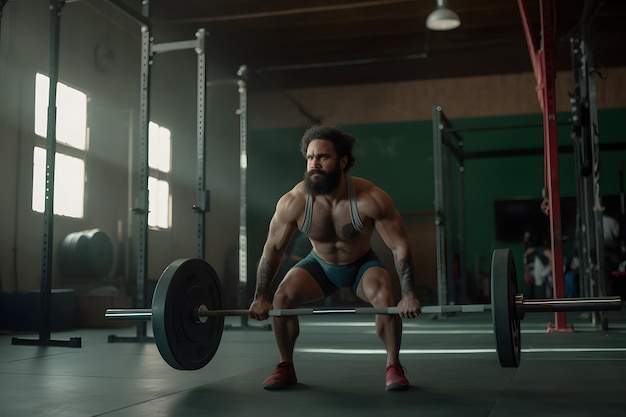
column 326, row 184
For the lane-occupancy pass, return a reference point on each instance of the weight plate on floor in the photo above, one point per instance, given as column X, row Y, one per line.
column 506, row 323
column 184, row 285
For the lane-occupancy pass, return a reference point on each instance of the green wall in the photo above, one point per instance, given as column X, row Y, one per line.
column 398, row 157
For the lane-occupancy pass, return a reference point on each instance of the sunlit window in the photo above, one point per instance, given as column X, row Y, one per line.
column 69, row 182
column 159, row 161
column 159, row 148
column 159, row 203
column 71, row 135
column 71, row 113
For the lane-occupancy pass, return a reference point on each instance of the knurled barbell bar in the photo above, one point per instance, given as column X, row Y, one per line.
column 188, row 321
column 202, row 313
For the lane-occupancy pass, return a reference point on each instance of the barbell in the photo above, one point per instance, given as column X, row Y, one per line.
column 188, row 321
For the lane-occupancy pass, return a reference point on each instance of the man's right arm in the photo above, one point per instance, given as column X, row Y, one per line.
column 268, row 264
column 281, row 229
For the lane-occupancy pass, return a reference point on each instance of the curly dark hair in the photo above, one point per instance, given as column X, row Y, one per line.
column 342, row 141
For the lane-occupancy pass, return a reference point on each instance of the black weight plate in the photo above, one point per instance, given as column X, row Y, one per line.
column 184, row 285
column 506, row 322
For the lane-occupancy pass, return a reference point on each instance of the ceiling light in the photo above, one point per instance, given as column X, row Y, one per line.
column 442, row 18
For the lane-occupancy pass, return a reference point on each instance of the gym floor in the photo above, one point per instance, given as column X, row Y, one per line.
column 451, row 364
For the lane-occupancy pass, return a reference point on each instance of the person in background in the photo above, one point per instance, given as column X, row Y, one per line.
column 537, row 266
column 612, row 249
column 543, row 271
column 612, row 246
column 528, row 260
column 572, row 286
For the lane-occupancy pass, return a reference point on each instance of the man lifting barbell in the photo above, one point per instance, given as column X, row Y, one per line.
column 338, row 213
column 187, row 315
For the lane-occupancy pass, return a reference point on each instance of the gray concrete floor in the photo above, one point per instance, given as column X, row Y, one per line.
column 452, row 366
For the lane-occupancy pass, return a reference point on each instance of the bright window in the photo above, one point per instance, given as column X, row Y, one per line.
column 71, row 135
column 71, row 113
column 159, row 161
column 159, row 203
column 69, row 182
column 159, row 149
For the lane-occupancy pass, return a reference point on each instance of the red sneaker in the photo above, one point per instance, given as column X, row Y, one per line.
column 395, row 379
column 284, row 374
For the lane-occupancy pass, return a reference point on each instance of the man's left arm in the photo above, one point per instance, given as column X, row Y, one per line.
column 391, row 228
column 396, row 239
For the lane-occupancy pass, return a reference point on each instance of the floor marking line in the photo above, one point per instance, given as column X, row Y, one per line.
column 454, row 351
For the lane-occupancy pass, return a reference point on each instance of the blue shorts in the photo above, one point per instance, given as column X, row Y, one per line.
column 332, row 277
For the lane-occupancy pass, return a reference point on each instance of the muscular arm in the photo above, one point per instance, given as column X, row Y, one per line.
column 391, row 228
column 268, row 267
column 282, row 228
column 405, row 268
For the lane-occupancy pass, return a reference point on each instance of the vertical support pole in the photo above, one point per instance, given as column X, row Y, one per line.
column 461, row 232
column 545, row 74
column 242, row 79
column 622, row 206
column 45, row 300
column 591, row 139
column 141, row 206
column 51, row 146
column 201, row 192
column 548, row 23
column 587, row 158
column 440, row 226
column 242, row 74
column 448, row 214
column 142, row 193
column 582, row 166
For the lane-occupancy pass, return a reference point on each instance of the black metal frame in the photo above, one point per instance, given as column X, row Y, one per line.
column 241, row 82
column 142, row 200
column 445, row 135
column 45, row 301
column 586, row 149
column 446, row 291
column 202, row 194
column 587, row 163
column 148, row 49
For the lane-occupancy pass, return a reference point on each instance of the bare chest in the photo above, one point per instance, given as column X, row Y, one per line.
column 332, row 223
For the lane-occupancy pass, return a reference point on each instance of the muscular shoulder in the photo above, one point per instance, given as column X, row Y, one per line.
column 372, row 200
column 291, row 205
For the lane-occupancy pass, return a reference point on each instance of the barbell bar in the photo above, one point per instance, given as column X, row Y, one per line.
column 537, row 305
column 188, row 321
column 201, row 312
column 544, row 305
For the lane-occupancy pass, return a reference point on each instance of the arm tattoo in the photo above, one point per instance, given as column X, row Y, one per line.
column 265, row 276
column 404, row 268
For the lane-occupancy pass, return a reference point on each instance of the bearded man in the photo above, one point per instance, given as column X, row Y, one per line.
column 338, row 213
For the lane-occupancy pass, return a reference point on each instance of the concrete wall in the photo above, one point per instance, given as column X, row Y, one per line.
column 474, row 97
